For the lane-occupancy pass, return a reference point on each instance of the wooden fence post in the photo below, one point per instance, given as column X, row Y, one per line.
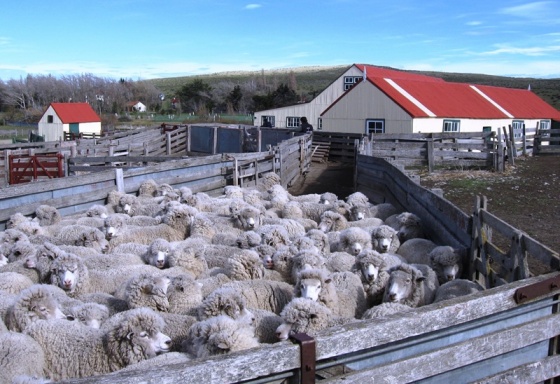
column 119, row 180
column 524, row 146
column 430, row 153
column 168, row 143
column 188, row 138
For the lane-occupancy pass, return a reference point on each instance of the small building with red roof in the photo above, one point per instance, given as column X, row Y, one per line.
column 70, row 118
column 368, row 99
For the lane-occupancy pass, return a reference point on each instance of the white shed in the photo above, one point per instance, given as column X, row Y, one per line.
column 70, row 118
column 135, row 106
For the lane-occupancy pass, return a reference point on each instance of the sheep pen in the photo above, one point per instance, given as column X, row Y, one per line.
column 336, row 338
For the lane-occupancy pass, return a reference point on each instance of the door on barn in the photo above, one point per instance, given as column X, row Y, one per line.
column 74, row 128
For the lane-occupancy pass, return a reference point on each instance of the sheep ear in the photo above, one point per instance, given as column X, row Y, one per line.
column 223, row 346
column 129, row 335
column 70, row 318
column 148, row 288
column 420, row 279
column 313, row 316
column 327, row 281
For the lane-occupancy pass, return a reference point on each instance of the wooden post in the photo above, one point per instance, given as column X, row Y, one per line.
column 188, row 138
column 215, row 141
column 235, row 173
column 259, row 140
column 524, row 145
column 168, row 143
column 119, row 179
column 500, row 153
column 430, row 154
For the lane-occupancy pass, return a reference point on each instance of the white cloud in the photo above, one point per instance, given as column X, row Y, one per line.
column 531, row 51
column 538, row 10
column 474, row 23
column 253, row 6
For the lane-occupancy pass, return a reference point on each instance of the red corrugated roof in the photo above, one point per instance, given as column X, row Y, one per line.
column 423, row 96
column 521, row 103
column 75, row 113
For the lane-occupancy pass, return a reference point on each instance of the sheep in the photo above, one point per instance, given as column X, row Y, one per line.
column 20, row 251
column 248, row 239
column 410, row 286
column 12, row 235
column 248, row 219
column 112, row 260
column 306, row 210
column 320, row 239
column 342, row 293
column 84, row 236
column 416, row 250
column 135, row 206
column 47, row 215
column 175, row 227
column 381, row 211
column 41, row 261
column 90, row 314
column 19, row 266
column 177, row 328
column 225, row 301
column 14, row 283
column 385, row 239
column 407, row 224
column 447, row 262
column 265, row 324
column 148, row 188
column 274, row 235
column 385, row 309
column 245, row 264
column 339, row 261
column 73, row 350
column 268, row 180
column 34, row 303
column 333, row 221
column 184, row 295
column 304, row 260
column 157, row 253
column 357, row 198
column 16, row 219
column 106, row 300
column 263, row 294
column 306, row 316
column 146, row 290
column 354, row 240
column 373, row 269
column 328, row 198
column 97, row 210
column 184, row 255
column 219, row 335
column 20, row 356
column 456, row 288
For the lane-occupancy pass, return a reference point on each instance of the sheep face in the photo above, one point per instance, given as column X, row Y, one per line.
column 90, row 314
column 93, row 238
column 310, row 288
column 446, row 263
column 401, row 285
column 370, row 272
column 302, row 315
column 249, row 218
column 158, row 254
column 331, row 221
column 67, row 276
column 357, row 212
column 44, row 308
column 385, row 239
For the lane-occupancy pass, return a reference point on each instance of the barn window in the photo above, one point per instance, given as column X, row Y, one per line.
column 544, row 125
column 375, row 126
column 517, row 126
column 451, row 125
column 349, row 81
column 268, row 121
column 320, row 124
column 50, row 119
column 292, row 122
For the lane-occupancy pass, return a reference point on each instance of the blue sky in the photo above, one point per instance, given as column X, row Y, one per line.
column 145, row 39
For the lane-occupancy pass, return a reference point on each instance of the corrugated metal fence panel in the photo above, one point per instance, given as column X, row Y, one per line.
column 202, row 139
column 230, row 140
column 273, row 137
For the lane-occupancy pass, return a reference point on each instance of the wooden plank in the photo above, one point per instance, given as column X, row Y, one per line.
column 544, row 369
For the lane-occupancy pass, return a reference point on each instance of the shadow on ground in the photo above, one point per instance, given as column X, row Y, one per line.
column 334, row 177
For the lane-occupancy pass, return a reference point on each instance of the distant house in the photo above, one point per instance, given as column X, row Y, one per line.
column 68, row 117
column 135, row 106
column 367, row 99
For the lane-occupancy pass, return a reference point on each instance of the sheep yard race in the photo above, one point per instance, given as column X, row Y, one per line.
column 208, row 264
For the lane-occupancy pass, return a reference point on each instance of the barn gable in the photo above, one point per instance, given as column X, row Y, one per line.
column 70, row 118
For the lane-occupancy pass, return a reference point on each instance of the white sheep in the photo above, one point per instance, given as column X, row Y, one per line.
column 89, row 314
column 306, row 316
column 333, row 221
column 225, row 301
column 385, row 239
column 320, row 239
column 276, row 236
column 20, row 356
column 381, row 211
column 73, row 350
column 32, row 304
column 357, row 198
column 456, row 288
column 263, row 294
column 47, row 215
column 413, row 285
column 84, row 236
column 416, row 249
column 146, row 290
column 245, row 264
column 339, row 261
column 303, row 260
column 183, row 254
column 373, row 269
column 16, row 219
column 13, row 282
column 407, row 224
column 328, row 198
column 184, row 295
column 447, row 262
column 385, row 309
column 354, row 240
column 219, row 335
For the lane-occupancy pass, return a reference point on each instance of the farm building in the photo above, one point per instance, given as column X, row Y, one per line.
column 70, row 118
column 135, row 106
column 367, row 99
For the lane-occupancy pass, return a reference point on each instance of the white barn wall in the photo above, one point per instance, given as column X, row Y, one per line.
column 86, row 128
column 435, row 124
column 51, row 131
column 365, row 101
column 311, row 110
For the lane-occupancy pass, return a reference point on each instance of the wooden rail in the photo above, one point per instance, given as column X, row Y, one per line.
column 547, row 141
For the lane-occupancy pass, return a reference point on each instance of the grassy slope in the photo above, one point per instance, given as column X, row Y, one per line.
column 318, row 78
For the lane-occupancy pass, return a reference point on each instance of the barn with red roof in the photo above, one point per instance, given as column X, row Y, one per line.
column 368, row 99
column 70, row 118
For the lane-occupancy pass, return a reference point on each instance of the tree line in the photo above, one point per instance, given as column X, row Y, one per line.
column 26, row 98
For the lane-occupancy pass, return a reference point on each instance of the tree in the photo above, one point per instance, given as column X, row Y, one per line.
column 195, row 96
column 284, row 96
column 234, row 98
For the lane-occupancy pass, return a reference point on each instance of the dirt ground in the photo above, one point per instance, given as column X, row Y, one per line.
column 526, row 195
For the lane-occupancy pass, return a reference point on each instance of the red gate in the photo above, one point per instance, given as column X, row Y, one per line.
column 25, row 168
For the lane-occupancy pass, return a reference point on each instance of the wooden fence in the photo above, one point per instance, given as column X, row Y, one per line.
column 547, row 141
column 507, row 333
column 431, row 150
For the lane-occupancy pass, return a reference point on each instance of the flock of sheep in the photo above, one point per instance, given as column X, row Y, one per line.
column 168, row 275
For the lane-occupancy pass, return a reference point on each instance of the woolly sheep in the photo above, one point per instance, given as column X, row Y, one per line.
column 333, row 221
column 265, row 324
column 184, row 295
column 19, row 266
column 306, row 316
column 339, row 261
column 447, row 262
column 41, row 261
column 20, row 356
column 328, row 198
column 385, row 309
column 320, row 239
column 84, row 236
column 407, row 224
column 307, row 210
column 184, row 255
column 248, row 239
column 263, row 294
column 385, row 239
column 225, row 301
column 73, row 350
column 16, row 219
column 245, row 264
column 97, row 210
column 146, row 290
column 106, row 300
column 47, row 215
column 304, row 260
column 412, row 285
column 357, row 198
column 381, row 211
column 274, row 235
column 135, row 206
column 90, row 314
column 34, row 303
column 177, row 328
column 416, row 250
column 157, row 253
column 248, row 219
column 219, row 335
column 373, row 267
column 20, row 251
column 11, row 236
column 456, row 288
column 13, row 282
column 354, row 240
